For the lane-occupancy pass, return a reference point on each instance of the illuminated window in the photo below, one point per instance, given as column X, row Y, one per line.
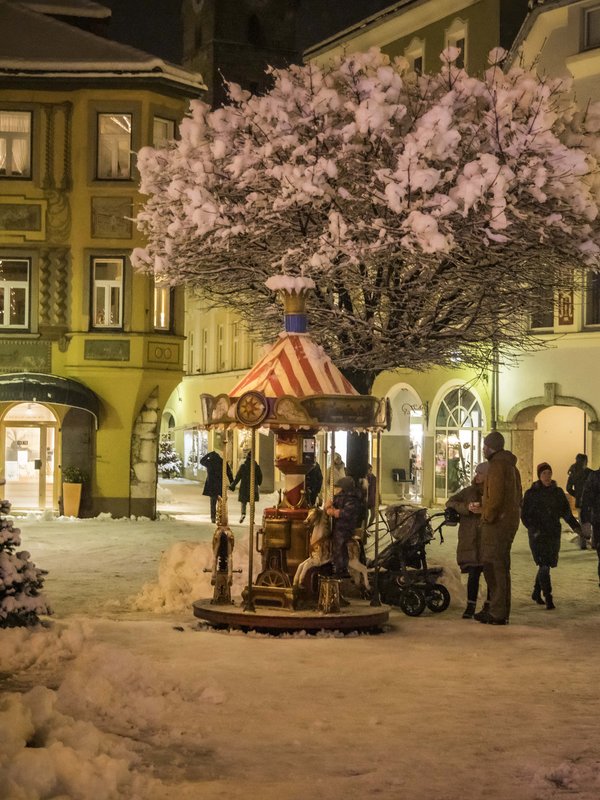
column 15, row 144
column 162, row 307
column 591, row 27
column 114, row 146
column 107, row 292
column 163, row 131
column 14, row 292
column 458, row 441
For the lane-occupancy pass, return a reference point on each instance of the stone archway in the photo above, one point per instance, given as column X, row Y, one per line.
column 144, row 457
column 520, row 425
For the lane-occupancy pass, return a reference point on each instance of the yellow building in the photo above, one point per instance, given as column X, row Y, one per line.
column 89, row 350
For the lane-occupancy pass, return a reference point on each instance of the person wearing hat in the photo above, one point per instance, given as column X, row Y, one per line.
column 468, row 551
column 500, row 510
column 544, row 505
column 345, row 509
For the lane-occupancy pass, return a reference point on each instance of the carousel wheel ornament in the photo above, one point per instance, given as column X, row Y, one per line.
column 273, row 577
column 251, row 409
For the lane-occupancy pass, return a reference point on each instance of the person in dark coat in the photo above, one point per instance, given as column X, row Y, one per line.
column 243, row 478
column 590, row 510
column 576, row 477
column 213, row 485
column 544, row 505
column 371, row 495
column 313, row 483
column 468, row 551
column 345, row 508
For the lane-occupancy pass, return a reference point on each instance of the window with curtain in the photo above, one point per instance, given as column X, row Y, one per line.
column 15, row 144
column 163, row 131
column 15, row 276
column 107, row 292
column 114, row 146
column 162, row 307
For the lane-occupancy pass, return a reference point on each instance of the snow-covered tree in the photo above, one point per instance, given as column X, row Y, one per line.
column 169, row 463
column 434, row 212
column 21, row 582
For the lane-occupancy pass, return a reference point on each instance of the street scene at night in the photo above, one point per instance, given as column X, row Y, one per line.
column 299, row 414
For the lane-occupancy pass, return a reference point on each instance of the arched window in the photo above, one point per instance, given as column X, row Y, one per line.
column 458, row 440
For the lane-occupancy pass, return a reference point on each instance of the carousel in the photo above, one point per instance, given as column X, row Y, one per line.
column 296, row 391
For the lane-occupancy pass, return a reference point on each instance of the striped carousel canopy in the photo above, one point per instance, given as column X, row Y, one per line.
column 294, row 365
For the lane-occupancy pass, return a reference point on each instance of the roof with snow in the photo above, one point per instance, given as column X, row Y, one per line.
column 37, row 46
column 294, row 365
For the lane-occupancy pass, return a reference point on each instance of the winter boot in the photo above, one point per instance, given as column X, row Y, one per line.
column 469, row 611
column 536, row 595
column 549, row 604
column 484, row 614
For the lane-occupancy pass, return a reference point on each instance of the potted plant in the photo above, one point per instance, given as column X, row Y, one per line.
column 73, row 479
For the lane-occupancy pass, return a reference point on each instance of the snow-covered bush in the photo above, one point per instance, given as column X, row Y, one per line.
column 434, row 212
column 21, row 581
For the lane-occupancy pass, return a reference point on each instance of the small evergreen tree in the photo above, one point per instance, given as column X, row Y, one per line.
column 21, row 581
column 169, row 463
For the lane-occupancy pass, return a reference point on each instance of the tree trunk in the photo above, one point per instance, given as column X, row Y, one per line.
column 357, row 457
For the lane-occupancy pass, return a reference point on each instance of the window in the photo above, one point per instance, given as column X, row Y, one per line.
column 107, row 292
column 114, row 146
column 458, row 441
column 14, row 292
column 591, row 28
column 415, row 54
column 163, row 131
column 15, row 144
column 221, row 348
column 162, row 307
column 456, row 36
column 592, row 300
column 544, row 317
column 235, row 345
column 204, row 350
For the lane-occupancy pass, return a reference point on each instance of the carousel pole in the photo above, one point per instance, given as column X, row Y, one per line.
column 376, row 599
column 331, row 478
column 223, row 518
column 249, row 604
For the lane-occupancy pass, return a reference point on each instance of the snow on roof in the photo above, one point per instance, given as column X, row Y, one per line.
column 37, row 45
column 294, row 365
column 68, row 8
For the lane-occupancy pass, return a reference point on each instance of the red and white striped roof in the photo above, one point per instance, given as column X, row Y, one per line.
column 294, row 365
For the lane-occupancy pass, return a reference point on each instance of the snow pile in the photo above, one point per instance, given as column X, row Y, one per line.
column 37, row 648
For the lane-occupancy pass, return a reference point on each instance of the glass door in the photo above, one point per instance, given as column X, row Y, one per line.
column 29, row 456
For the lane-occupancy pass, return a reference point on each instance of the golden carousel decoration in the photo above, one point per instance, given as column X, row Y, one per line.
column 296, row 391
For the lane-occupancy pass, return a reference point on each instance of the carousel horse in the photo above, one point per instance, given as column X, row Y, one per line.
column 320, row 551
column 222, row 571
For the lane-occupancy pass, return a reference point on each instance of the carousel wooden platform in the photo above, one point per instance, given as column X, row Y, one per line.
column 360, row 616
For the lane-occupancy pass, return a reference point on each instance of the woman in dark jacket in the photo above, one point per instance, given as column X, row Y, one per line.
column 544, row 505
column 468, row 551
column 243, row 478
column 213, row 485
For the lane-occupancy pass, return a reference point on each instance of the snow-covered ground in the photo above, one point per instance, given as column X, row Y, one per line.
column 126, row 696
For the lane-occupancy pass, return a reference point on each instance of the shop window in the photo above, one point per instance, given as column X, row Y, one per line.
column 592, row 300
column 107, row 292
column 163, row 131
column 591, row 28
column 15, row 279
column 458, row 441
column 163, row 302
column 114, row 146
column 15, row 144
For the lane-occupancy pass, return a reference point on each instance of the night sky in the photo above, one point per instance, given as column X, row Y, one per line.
column 155, row 25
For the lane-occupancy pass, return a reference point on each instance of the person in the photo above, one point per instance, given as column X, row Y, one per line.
column 590, row 510
column 543, row 506
column 338, row 468
column 243, row 478
column 313, row 483
column 345, row 509
column 468, row 551
column 371, row 484
column 500, row 511
column 213, row 485
column 576, row 477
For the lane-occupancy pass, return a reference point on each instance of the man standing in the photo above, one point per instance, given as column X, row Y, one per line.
column 590, row 510
column 500, row 511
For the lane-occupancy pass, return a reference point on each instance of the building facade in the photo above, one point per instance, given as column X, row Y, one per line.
column 89, row 350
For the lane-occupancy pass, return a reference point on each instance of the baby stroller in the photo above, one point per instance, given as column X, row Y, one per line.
column 405, row 579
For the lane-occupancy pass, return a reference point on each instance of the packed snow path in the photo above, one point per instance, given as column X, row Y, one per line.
column 118, row 703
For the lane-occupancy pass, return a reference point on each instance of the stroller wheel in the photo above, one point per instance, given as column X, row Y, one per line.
column 412, row 601
column 437, row 598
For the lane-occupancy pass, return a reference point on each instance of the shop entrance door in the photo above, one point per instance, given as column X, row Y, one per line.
column 29, row 456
